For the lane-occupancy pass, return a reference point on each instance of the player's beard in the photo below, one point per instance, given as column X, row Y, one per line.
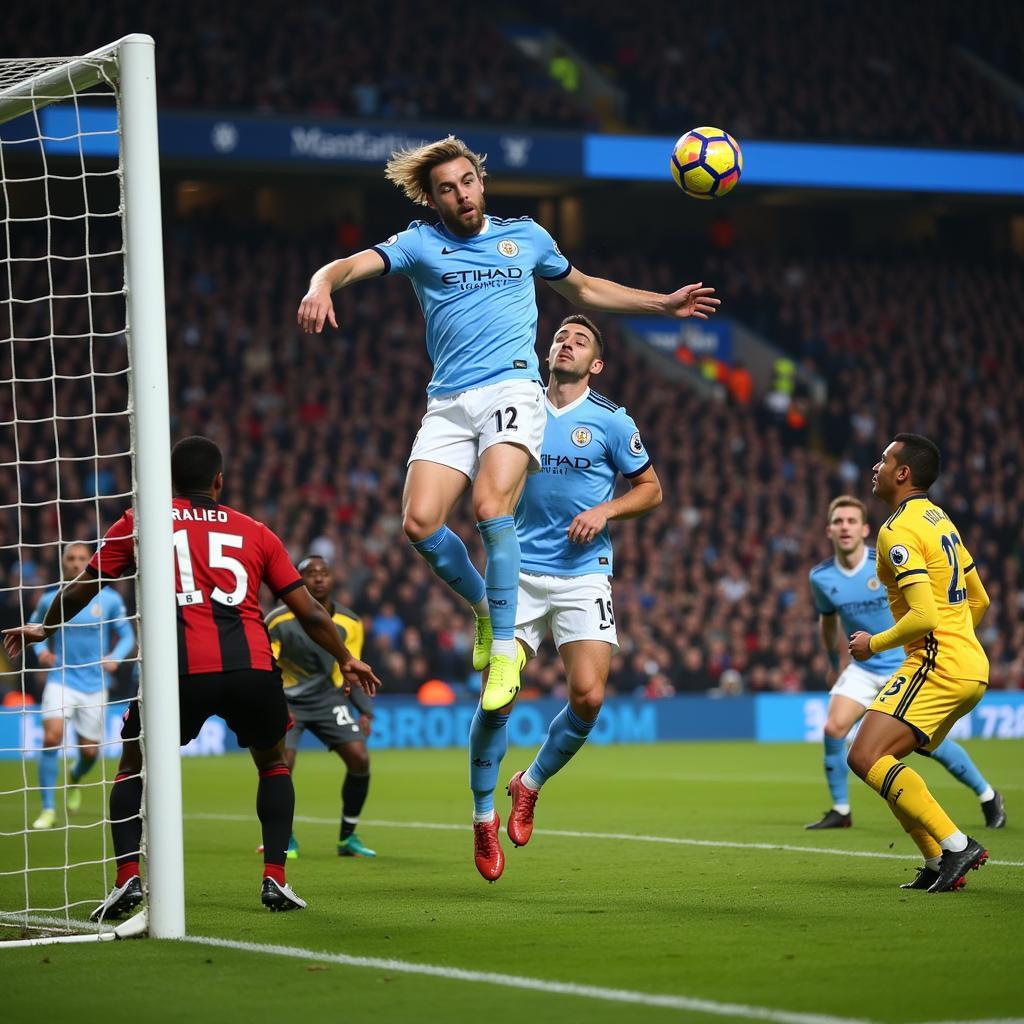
column 458, row 226
column 565, row 375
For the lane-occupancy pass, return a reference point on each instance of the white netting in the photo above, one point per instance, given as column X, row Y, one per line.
column 65, row 476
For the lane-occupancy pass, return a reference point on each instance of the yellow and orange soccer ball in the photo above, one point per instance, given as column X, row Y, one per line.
column 706, row 163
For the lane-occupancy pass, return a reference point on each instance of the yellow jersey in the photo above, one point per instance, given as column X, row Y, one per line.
column 920, row 542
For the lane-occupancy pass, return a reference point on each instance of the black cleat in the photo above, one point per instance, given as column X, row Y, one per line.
column 926, row 878
column 955, row 866
column 122, row 900
column 832, row 819
column 994, row 811
column 280, row 897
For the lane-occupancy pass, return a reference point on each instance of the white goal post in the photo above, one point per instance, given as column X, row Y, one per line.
column 30, row 90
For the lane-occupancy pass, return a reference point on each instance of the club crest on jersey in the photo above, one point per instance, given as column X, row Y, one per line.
column 508, row 248
column 898, row 555
column 636, row 446
column 581, row 437
column 873, row 583
column 390, row 240
column 95, row 610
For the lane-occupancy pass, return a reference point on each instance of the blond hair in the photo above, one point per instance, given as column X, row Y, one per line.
column 410, row 169
column 847, row 501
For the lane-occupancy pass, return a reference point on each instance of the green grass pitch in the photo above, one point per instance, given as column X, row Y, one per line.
column 754, row 931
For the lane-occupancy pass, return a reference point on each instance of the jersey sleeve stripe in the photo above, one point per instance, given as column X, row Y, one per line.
column 384, row 256
column 287, row 590
column 557, row 277
column 637, row 472
column 911, row 572
column 968, row 568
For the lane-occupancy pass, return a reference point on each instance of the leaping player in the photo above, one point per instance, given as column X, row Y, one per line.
column 474, row 277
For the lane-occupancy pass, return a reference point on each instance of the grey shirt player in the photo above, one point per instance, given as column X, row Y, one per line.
column 312, row 678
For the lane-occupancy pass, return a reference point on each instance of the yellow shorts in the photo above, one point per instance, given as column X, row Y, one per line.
column 929, row 702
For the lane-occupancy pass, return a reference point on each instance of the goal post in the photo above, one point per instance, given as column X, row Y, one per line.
column 124, row 135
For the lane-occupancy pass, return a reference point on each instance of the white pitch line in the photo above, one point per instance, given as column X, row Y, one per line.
column 561, row 988
column 723, row 844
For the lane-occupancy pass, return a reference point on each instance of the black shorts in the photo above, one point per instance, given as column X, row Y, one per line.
column 328, row 715
column 251, row 701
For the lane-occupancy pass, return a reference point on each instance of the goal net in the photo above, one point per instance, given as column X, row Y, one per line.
column 83, row 393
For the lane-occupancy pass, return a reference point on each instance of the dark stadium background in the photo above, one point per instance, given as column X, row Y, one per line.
column 899, row 309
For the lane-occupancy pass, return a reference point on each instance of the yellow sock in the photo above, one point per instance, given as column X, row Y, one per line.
column 894, row 781
column 925, row 842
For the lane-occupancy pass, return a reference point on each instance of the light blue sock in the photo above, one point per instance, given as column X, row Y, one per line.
column 836, row 771
column 82, row 766
column 502, row 573
column 566, row 734
column 488, row 741
column 958, row 763
column 448, row 557
column 48, row 767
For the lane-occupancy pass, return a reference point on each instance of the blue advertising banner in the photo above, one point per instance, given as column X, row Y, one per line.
column 310, row 141
column 704, row 338
column 402, row 723
column 792, row 717
column 251, row 139
column 821, row 165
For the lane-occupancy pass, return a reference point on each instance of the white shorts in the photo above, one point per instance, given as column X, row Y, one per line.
column 458, row 428
column 858, row 684
column 85, row 710
column 572, row 607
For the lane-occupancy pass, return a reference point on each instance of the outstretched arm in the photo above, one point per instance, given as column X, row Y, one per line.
column 607, row 296
column 316, row 305
column 320, row 628
column 643, row 496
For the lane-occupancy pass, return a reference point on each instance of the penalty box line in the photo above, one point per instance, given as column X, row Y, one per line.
column 612, row 995
column 716, row 844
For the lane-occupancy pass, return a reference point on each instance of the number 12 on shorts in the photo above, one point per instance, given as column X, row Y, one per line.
column 505, row 420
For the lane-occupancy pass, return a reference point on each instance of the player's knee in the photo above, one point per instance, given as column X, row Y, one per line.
column 490, row 506
column 836, row 730
column 587, row 703
column 418, row 525
column 859, row 761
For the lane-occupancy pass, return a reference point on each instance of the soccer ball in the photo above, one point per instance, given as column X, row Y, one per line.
column 706, row 163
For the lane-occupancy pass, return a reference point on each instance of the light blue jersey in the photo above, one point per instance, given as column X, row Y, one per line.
column 586, row 445
column 860, row 602
column 88, row 639
column 478, row 297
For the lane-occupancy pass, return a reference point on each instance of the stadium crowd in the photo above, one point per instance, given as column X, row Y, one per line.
column 840, row 70
column 711, row 590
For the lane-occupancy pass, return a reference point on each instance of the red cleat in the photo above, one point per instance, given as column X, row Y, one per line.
column 490, row 861
column 520, row 819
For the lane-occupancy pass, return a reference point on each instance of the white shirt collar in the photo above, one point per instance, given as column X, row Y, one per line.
column 857, row 568
column 565, row 408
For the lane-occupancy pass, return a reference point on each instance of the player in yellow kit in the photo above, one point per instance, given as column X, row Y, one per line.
column 937, row 600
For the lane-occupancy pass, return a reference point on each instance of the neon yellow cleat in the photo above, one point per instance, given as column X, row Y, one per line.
column 502, row 683
column 482, row 643
column 73, row 799
column 47, row 819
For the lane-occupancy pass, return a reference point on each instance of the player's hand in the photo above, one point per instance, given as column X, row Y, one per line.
column 860, row 646
column 19, row 637
column 692, row 300
column 316, row 307
column 366, row 724
column 110, row 666
column 358, row 673
column 587, row 525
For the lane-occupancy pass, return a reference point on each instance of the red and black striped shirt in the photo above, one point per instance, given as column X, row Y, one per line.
column 220, row 559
